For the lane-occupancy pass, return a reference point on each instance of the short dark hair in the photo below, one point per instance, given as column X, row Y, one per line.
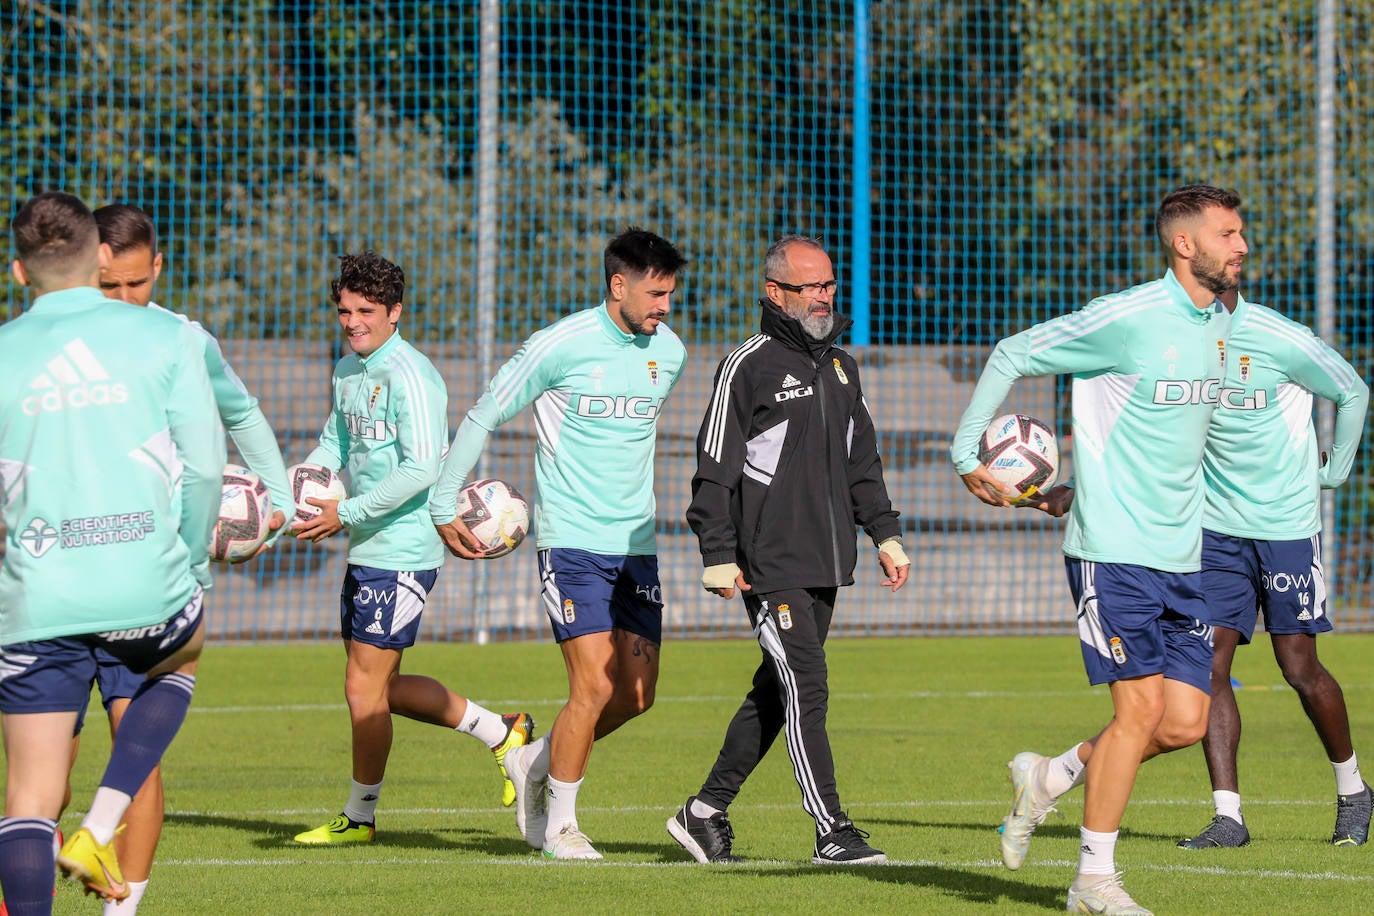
column 54, row 234
column 125, row 227
column 371, row 276
column 639, row 252
column 1187, row 202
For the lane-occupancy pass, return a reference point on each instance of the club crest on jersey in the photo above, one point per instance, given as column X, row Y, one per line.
column 839, row 372
column 1118, row 650
column 569, row 612
column 1221, row 353
column 785, row 616
column 653, row 372
column 372, row 401
column 1245, row 368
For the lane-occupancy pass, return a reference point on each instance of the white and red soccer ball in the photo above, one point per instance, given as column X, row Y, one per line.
column 496, row 514
column 1022, row 453
column 313, row 481
column 245, row 515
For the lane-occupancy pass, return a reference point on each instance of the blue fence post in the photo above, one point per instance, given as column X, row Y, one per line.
column 862, row 228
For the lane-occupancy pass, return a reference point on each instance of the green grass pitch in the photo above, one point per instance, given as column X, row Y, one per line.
column 921, row 728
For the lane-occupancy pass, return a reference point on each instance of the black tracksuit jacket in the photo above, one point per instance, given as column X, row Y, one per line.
column 787, row 461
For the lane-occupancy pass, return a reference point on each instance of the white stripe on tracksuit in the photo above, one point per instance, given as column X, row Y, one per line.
column 714, row 440
column 771, row 643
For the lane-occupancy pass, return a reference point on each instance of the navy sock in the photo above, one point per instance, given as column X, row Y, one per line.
column 150, row 723
column 26, row 864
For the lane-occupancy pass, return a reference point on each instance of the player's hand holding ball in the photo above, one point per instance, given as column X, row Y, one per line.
column 1019, row 462
column 492, row 520
column 317, row 491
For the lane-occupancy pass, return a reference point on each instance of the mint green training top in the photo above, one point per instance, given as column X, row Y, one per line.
column 245, row 422
column 389, row 428
column 597, row 392
column 111, row 457
column 1262, row 462
column 1146, row 366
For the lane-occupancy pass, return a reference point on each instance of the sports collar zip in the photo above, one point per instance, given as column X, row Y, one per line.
column 819, row 382
column 361, row 396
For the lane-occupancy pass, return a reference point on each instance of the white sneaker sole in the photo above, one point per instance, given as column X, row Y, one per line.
column 579, row 848
column 684, row 839
column 879, row 859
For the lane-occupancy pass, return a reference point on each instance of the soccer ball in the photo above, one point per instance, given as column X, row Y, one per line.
column 313, row 481
column 245, row 509
column 496, row 514
column 1022, row 453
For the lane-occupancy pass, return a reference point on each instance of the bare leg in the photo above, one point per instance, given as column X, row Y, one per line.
column 426, row 700
column 1116, row 756
column 38, row 749
column 1322, row 698
column 367, row 686
column 1222, row 742
column 1153, row 716
column 636, row 679
column 611, row 679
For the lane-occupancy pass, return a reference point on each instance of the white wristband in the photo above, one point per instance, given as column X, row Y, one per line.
column 893, row 548
column 722, row 575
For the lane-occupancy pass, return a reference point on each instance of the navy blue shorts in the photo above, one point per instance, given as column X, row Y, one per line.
column 585, row 592
column 55, row 675
column 382, row 607
column 1284, row 580
column 115, row 680
column 1135, row 621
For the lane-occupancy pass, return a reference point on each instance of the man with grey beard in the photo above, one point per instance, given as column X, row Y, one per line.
column 787, row 466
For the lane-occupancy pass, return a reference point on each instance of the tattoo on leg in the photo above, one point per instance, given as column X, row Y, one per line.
column 646, row 648
column 641, row 647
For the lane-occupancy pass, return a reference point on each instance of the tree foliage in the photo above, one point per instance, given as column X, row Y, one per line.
column 1018, row 150
column 157, row 102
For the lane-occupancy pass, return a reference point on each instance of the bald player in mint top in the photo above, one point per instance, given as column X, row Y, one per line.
column 1147, row 366
column 597, row 380
column 1262, row 547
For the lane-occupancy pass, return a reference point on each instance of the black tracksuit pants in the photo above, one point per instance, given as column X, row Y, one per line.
column 790, row 694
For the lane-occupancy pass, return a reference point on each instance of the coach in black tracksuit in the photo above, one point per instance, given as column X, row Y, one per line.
column 787, row 465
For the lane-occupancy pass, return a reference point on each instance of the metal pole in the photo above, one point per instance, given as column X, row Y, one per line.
column 488, row 229
column 1326, row 233
column 862, row 228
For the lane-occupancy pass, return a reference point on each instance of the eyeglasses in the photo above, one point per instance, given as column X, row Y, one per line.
column 809, row 290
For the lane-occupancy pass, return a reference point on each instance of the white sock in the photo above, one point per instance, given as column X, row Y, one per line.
column 1348, row 779
column 362, row 802
column 129, row 905
column 1097, row 853
column 562, row 805
column 699, row 808
column 483, row 724
column 107, row 810
column 1064, row 772
column 1228, row 805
